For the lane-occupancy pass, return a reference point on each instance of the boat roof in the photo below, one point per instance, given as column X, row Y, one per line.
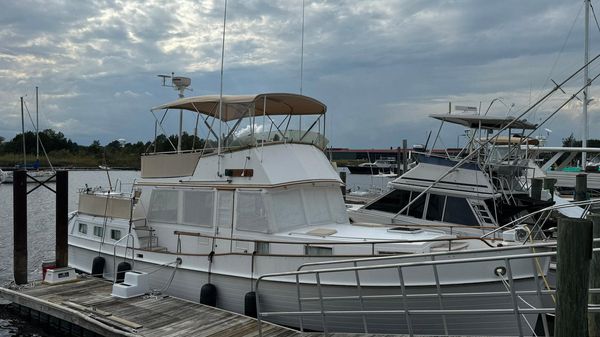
column 487, row 122
column 236, row 106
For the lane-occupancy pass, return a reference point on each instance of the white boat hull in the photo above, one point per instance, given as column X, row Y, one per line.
column 281, row 295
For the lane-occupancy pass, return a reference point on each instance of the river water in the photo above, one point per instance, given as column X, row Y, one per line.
column 41, row 229
column 41, row 233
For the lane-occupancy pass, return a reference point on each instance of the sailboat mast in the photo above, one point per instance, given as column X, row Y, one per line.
column 23, row 134
column 585, row 83
column 37, row 126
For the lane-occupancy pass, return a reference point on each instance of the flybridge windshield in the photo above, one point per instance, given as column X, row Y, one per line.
column 249, row 120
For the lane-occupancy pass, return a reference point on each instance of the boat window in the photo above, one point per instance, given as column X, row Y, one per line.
column 435, row 207
column 317, row 205
column 318, row 251
column 416, row 208
column 225, row 208
column 198, row 207
column 82, row 228
column 261, row 247
column 288, row 209
column 115, row 234
column 337, row 205
column 98, row 231
column 392, row 202
column 163, row 206
column 458, row 211
column 251, row 211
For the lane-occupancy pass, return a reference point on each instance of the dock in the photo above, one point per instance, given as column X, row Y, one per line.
column 86, row 308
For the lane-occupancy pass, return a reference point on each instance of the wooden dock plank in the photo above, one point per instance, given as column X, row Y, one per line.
column 88, row 303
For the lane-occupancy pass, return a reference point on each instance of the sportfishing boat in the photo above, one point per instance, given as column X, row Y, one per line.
column 259, row 198
column 488, row 190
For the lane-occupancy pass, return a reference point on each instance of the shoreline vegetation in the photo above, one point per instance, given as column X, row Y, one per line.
column 64, row 153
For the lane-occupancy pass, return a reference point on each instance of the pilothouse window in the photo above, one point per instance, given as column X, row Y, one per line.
column 458, row 211
column 392, row 202
column 198, row 206
column 163, row 206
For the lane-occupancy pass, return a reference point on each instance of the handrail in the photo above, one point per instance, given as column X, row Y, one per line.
column 396, row 257
column 549, row 208
column 323, row 242
column 124, row 255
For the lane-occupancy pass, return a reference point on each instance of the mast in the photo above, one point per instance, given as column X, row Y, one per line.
column 585, row 83
column 37, row 126
column 23, row 134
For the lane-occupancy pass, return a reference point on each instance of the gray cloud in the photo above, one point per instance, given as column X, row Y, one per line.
column 381, row 66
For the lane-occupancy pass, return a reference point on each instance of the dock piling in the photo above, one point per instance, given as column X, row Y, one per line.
column 536, row 188
column 20, row 226
column 62, row 221
column 581, row 187
column 404, row 156
column 594, row 318
column 574, row 252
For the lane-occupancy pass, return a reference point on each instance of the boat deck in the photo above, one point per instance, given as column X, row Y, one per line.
column 86, row 308
column 87, row 303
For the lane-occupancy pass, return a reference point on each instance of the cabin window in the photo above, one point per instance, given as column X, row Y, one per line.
column 416, row 208
column 318, row 251
column 225, row 208
column 261, row 247
column 337, row 205
column 251, row 211
column 435, row 207
column 317, row 205
column 82, row 228
column 392, row 202
column 198, row 207
column 458, row 211
column 163, row 206
column 288, row 209
column 115, row 234
column 98, row 231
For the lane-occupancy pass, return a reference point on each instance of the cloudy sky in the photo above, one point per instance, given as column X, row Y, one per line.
column 381, row 66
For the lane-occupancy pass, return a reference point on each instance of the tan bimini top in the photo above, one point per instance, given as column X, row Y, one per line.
column 237, row 106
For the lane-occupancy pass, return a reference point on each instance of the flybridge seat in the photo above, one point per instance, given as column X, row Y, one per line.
column 292, row 136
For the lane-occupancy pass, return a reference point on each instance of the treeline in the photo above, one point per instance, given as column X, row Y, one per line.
column 63, row 152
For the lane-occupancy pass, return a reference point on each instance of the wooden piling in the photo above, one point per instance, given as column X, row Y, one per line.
column 20, row 226
column 404, row 156
column 574, row 252
column 549, row 184
column 594, row 318
column 536, row 188
column 62, row 221
column 581, row 187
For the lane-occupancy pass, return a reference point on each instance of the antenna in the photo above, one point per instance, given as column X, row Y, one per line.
column 180, row 84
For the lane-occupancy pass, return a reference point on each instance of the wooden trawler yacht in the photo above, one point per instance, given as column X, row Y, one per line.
column 204, row 224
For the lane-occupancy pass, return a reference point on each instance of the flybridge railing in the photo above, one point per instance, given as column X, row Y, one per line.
column 366, row 309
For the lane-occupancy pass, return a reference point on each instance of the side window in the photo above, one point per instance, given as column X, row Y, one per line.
column 392, row 202
column 458, row 211
column 417, row 207
column 435, row 208
column 115, row 234
column 82, row 228
column 261, row 247
column 318, row 251
column 98, row 231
